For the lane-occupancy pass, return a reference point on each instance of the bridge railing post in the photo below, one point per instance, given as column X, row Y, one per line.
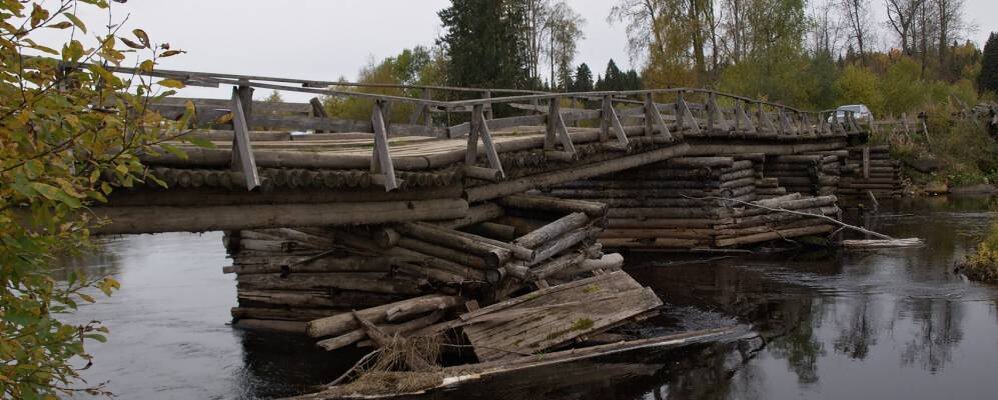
column 654, row 118
column 382, row 167
column 242, row 150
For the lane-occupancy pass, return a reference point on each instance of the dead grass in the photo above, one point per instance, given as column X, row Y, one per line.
column 405, row 365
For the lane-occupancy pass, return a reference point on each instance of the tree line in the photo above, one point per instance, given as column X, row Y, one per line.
column 816, row 54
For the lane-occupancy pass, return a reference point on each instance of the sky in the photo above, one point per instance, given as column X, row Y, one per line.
column 329, row 39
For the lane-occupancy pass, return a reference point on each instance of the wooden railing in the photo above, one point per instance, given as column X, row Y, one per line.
column 694, row 112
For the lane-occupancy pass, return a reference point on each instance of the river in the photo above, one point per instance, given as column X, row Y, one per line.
column 895, row 323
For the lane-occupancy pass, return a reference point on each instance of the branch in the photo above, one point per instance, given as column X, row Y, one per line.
column 783, row 210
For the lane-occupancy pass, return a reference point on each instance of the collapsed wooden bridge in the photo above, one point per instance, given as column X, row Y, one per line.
column 478, row 212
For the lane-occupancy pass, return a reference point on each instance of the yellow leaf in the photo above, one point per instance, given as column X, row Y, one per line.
column 171, row 83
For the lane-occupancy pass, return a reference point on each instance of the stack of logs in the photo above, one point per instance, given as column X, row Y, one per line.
column 701, row 202
column 871, row 171
column 813, row 174
column 417, row 276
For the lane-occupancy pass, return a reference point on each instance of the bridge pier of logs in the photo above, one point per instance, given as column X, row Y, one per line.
column 497, row 232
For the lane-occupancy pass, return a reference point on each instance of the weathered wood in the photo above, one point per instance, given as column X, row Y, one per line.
column 381, row 159
column 553, row 230
column 243, row 159
column 509, row 187
column 494, row 256
column 368, row 282
column 136, row 219
column 342, row 323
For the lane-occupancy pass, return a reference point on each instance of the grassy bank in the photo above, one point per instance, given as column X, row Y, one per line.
column 983, row 264
column 962, row 151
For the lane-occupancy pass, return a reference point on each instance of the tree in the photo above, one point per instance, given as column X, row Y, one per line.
column 484, row 42
column 987, row 81
column 857, row 13
column 274, row 97
column 71, row 133
column 583, row 81
column 565, row 30
column 416, row 66
column 901, row 15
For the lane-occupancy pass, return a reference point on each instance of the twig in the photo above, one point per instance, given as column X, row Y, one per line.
column 356, row 365
column 824, row 217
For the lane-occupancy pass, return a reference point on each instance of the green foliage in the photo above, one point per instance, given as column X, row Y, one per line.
column 615, row 79
column 982, row 265
column 416, row 66
column 69, row 134
column 988, row 78
column 484, row 43
column 858, row 85
column 583, row 81
column 274, row 97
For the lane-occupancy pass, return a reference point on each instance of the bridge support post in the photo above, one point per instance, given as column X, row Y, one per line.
column 242, row 150
column 611, row 120
column 742, row 118
column 381, row 158
column 556, row 130
column 654, row 118
column 684, row 115
column 480, row 128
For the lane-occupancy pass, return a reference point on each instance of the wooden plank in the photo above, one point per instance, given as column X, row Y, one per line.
column 741, row 119
column 507, row 334
column 683, row 113
column 381, row 159
column 242, row 154
column 614, row 122
column 653, row 119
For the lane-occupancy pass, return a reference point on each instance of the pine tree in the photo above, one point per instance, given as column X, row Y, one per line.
column 987, row 81
column 583, row 79
column 484, row 41
column 613, row 79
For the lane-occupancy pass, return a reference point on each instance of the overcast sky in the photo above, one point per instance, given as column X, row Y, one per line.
column 327, row 39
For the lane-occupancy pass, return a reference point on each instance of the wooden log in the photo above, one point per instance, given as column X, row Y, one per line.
column 667, row 243
column 553, row 230
column 775, row 235
column 531, row 202
column 321, row 265
column 486, row 192
column 394, row 329
column 342, row 323
column 678, row 233
column 608, row 262
column 314, row 299
column 134, row 219
column 440, row 269
column 282, row 314
column 486, row 174
column 476, row 214
column 291, row 327
column 651, row 223
column 445, row 253
column 494, row 256
column 556, row 265
column 368, row 282
column 494, row 230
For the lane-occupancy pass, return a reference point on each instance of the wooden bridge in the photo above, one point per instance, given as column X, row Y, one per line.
column 484, row 206
column 290, row 164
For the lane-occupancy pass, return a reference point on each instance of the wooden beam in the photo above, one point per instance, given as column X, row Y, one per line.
column 145, row 219
column 556, row 129
column 683, row 113
column 481, row 129
column 653, row 119
column 242, row 150
column 610, row 115
column 381, row 159
column 742, row 119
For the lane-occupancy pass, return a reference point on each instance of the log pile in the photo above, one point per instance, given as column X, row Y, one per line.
column 699, row 202
column 813, row 174
column 416, row 278
column 871, row 169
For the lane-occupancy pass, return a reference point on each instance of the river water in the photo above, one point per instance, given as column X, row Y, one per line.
column 895, row 323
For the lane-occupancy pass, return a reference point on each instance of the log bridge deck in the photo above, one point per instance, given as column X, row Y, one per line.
column 290, row 164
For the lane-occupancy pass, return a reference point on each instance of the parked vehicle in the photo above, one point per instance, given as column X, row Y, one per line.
column 860, row 112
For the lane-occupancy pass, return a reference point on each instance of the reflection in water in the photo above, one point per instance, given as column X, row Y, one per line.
column 880, row 324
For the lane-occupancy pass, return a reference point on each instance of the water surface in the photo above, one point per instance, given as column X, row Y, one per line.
column 895, row 323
